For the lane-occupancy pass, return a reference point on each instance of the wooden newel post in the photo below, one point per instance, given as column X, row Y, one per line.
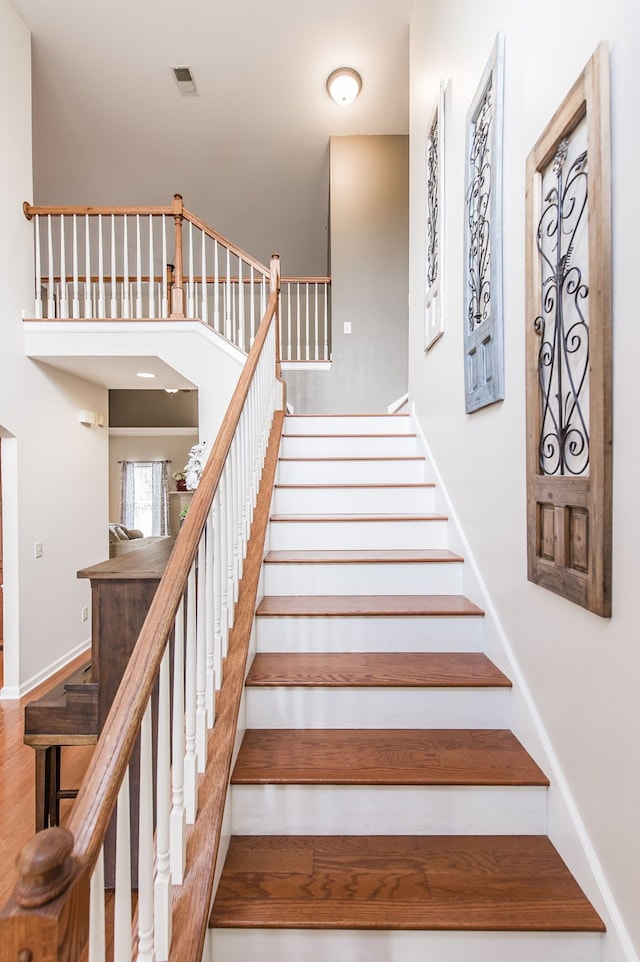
column 47, row 919
column 177, row 291
column 274, row 288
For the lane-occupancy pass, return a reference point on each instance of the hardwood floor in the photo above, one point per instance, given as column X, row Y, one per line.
column 17, row 791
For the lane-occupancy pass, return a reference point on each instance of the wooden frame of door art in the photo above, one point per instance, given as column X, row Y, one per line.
column 569, row 352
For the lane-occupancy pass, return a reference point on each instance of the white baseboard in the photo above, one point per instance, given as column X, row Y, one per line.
column 12, row 692
column 566, row 828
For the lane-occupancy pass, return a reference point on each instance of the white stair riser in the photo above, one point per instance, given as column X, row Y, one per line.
column 362, row 633
column 377, row 707
column 357, row 500
column 348, row 446
column 348, row 471
column 381, row 578
column 305, row 945
column 349, row 424
column 356, row 535
column 387, row 810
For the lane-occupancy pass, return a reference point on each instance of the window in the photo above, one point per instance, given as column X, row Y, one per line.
column 145, row 497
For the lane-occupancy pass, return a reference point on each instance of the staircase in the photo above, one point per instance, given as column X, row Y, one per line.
column 381, row 809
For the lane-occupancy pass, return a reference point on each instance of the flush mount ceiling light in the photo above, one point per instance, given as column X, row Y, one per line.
column 344, row 85
column 144, row 374
column 171, row 390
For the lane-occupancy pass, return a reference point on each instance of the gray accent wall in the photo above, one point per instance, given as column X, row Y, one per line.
column 369, row 249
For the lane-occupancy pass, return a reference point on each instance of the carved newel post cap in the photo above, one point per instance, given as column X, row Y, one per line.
column 45, row 867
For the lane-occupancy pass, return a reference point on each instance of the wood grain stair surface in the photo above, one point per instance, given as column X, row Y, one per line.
column 482, row 883
column 304, row 756
column 375, row 670
column 365, row 556
column 378, row 605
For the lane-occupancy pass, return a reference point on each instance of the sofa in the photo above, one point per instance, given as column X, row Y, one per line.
column 122, row 540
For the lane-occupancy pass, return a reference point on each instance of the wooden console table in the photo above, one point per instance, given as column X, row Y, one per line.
column 122, row 590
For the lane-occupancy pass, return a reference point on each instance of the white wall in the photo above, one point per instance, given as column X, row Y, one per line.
column 581, row 670
column 54, row 468
column 369, row 268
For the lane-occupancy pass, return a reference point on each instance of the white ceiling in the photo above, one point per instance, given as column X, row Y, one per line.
column 250, row 153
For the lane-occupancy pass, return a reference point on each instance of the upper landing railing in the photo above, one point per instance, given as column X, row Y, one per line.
column 164, row 262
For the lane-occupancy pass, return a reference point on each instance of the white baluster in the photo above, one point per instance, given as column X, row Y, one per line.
column 51, row 302
column 114, row 285
column 139, row 312
column 178, row 813
column 230, row 538
column 122, row 905
column 126, row 303
column 63, row 307
column 326, row 322
column 307, row 330
column 190, row 759
column 145, row 843
column 299, row 351
column 88, row 306
column 237, row 514
column 162, row 885
column 96, row 912
column 288, row 354
column 165, row 294
column 38, row 292
column 201, row 659
column 210, row 684
column 190, row 298
column 227, row 315
column 252, row 308
column 216, row 577
column 75, row 305
column 240, row 306
column 152, row 298
column 216, row 289
column 316, row 353
column 101, row 296
column 225, row 622
column 204, row 306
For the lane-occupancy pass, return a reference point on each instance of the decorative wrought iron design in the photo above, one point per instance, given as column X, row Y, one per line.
column 478, row 213
column 563, row 356
column 433, row 240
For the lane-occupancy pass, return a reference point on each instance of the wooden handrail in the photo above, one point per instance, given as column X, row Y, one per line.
column 97, row 796
column 30, row 211
column 209, row 279
column 61, row 924
column 215, row 235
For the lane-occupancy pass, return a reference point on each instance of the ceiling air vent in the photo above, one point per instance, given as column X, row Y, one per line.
column 186, row 83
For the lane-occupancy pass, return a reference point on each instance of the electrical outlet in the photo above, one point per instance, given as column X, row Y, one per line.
column 85, row 614
column 37, row 549
column 347, row 327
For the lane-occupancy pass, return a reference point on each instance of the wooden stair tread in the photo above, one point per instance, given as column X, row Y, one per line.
column 305, row 756
column 364, row 556
column 488, row 883
column 375, row 670
column 377, row 605
column 357, row 517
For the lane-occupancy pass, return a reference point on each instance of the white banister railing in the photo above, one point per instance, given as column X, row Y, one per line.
column 188, row 622
column 125, row 262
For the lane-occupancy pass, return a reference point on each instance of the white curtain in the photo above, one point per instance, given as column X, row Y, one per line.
column 144, row 498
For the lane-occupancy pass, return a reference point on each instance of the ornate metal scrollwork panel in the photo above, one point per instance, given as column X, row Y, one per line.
column 563, row 323
column 483, row 321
